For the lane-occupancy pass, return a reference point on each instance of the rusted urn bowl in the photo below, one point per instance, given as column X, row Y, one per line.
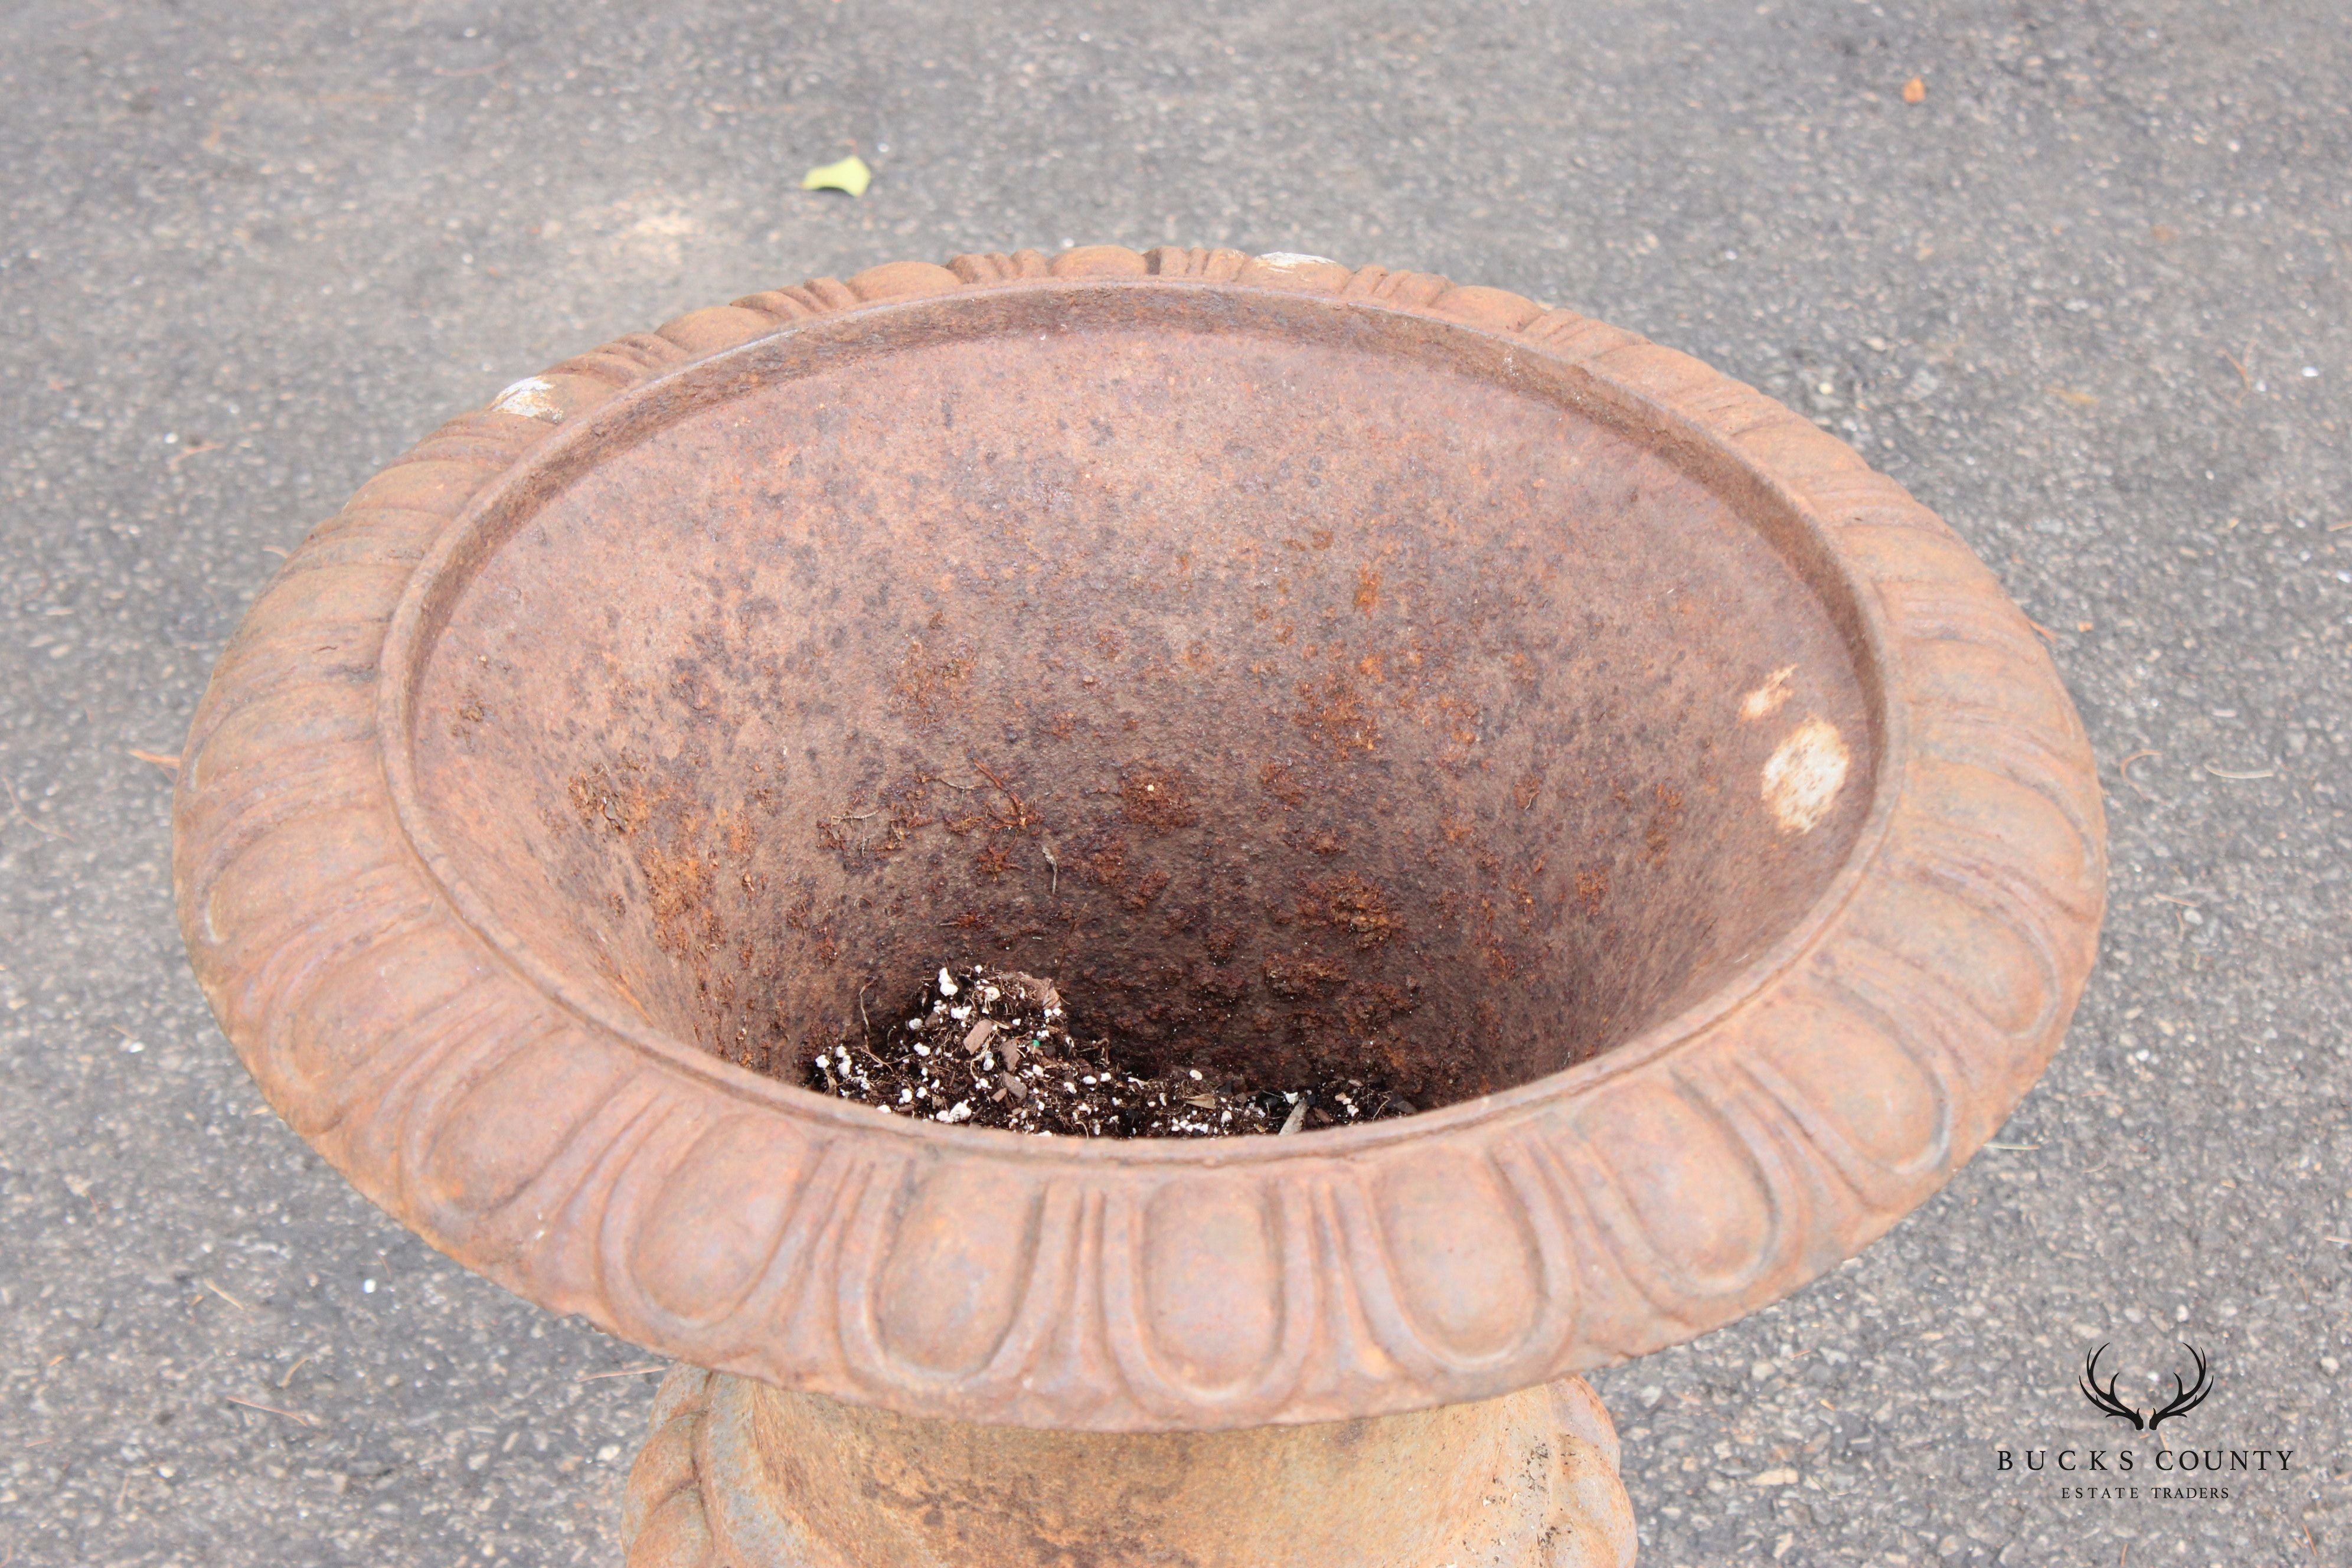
column 1317, row 670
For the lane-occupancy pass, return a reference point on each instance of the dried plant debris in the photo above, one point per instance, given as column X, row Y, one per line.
column 986, row 1047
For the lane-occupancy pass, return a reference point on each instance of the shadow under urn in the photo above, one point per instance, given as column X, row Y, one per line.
column 1320, row 673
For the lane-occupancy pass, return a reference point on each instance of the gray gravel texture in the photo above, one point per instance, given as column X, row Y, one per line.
column 2088, row 299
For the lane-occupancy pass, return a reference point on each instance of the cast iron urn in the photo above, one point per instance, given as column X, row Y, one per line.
column 1315, row 670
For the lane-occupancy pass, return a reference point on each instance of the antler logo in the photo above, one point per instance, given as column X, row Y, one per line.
column 2184, row 1398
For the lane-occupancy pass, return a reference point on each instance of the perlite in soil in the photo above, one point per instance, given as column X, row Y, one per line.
column 987, row 1048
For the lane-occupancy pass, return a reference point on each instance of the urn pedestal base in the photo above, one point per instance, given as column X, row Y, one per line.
column 741, row 1474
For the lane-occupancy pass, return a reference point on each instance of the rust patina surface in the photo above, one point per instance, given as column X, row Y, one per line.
column 1396, row 676
column 742, row 1474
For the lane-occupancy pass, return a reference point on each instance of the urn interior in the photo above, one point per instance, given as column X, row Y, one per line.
column 1308, row 690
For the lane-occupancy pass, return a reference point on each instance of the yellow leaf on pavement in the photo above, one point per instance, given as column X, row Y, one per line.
column 850, row 174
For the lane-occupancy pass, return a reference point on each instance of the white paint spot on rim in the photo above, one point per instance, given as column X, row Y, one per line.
column 1291, row 259
column 533, row 397
column 1803, row 775
column 1767, row 699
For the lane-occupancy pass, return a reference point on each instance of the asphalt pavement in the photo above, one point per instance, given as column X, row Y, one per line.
column 2087, row 296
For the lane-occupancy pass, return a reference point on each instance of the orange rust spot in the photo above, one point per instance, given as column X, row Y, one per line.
column 1593, row 890
column 1105, row 867
column 596, row 796
column 923, row 687
column 679, row 871
column 1523, row 897
column 1664, row 819
column 1383, row 1002
column 1368, row 587
column 1156, row 797
column 1351, row 904
column 1145, row 889
column 1301, row 972
column 1463, row 731
column 677, row 886
column 1281, row 780
column 1336, row 715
